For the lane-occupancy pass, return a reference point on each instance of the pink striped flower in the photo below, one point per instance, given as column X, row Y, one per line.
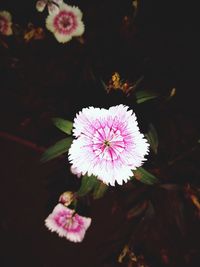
column 66, row 223
column 5, row 23
column 65, row 23
column 108, row 144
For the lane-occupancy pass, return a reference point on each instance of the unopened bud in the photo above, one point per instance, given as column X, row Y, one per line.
column 66, row 198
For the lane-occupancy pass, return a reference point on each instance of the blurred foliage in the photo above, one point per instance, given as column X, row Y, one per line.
column 143, row 96
column 57, row 149
column 152, row 138
column 91, row 183
column 144, row 176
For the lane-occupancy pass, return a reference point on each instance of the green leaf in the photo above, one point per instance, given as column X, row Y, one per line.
column 57, row 149
column 143, row 96
column 88, row 183
column 63, row 125
column 99, row 190
column 144, row 176
column 152, row 138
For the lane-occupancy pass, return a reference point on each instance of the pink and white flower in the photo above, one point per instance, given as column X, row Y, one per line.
column 5, row 23
column 108, row 144
column 53, row 5
column 65, row 23
column 66, row 223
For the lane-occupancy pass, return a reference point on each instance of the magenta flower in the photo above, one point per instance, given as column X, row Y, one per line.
column 65, row 23
column 66, row 223
column 108, row 144
column 5, row 23
column 53, row 5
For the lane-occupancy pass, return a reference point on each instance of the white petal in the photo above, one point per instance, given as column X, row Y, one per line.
column 79, row 30
column 61, row 38
column 49, row 23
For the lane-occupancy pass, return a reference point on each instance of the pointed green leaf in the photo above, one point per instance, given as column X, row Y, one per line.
column 143, row 96
column 57, row 149
column 88, row 183
column 99, row 190
column 144, row 176
column 63, row 125
column 152, row 138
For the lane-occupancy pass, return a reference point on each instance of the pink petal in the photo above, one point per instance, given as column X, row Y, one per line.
column 66, row 223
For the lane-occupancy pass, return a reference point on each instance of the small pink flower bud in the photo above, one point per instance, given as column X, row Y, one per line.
column 66, row 198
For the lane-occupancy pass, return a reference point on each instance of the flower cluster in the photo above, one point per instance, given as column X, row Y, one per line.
column 64, row 21
column 108, row 144
column 5, row 23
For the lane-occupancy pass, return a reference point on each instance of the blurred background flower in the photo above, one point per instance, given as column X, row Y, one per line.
column 5, row 23
column 65, row 23
column 52, row 5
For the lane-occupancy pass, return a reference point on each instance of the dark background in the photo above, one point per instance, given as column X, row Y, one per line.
column 43, row 79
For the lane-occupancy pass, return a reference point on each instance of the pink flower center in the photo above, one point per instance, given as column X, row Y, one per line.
column 65, row 22
column 108, row 143
column 3, row 25
column 69, row 222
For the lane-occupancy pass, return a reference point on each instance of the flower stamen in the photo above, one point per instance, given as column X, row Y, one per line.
column 107, row 143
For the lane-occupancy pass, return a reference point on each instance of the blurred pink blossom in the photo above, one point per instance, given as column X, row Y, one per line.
column 65, row 23
column 108, row 144
column 53, row 5
column 5, row 23
column 66, row 223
